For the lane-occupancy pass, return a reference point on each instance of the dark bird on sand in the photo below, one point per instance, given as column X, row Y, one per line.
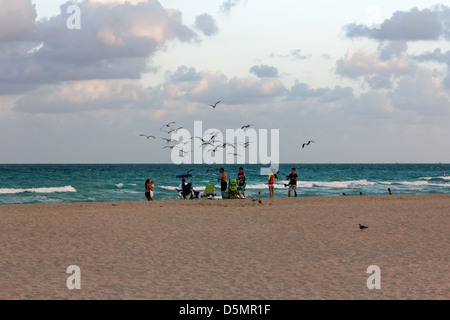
column 362, row 227
column 307, row 144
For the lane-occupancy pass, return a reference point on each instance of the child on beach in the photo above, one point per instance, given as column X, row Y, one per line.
column 272, row 180
column 149, row 189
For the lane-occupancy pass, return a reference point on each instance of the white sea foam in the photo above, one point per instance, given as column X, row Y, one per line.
column 168, row 188
column 38, row 190
column 413, row 183
column 343, row 184
column 435, row 178
column 300, row 184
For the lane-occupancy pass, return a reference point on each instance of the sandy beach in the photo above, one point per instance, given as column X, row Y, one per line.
column 283, row 248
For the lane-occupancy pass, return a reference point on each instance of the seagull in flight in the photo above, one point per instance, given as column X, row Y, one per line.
column 169, row 140
column 174, row 130
column 246, row 126
column 148, row 137
column 171, row 147
column 245, row 144
column 228, row 144
column 205, row 143
column 167, row 125
column 234, row 154
column 214, row 169
column 215, row 104
column 307, row 144
column 213, row 136
column 199, row 138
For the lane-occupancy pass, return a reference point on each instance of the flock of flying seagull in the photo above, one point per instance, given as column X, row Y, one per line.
column 211, row 141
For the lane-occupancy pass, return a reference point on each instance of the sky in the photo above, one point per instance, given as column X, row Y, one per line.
column 368, row 81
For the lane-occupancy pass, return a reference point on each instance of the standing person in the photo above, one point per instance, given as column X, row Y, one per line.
column 272, row 180
column 293, row 178
column 149, row 189
column 223, row 182
column 241, row 180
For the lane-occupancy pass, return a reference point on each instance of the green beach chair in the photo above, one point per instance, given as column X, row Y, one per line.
column 209, row 191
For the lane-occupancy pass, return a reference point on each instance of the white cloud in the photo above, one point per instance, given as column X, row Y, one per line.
column 373, row 68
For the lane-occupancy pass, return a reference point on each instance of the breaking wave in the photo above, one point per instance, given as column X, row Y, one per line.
column 37, row 190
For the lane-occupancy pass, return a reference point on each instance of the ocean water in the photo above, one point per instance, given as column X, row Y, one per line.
column 47, row 183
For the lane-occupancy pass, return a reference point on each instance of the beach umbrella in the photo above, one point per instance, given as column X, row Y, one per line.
column 184, row 176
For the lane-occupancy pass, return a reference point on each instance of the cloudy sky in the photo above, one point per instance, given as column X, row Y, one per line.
column 368, row 81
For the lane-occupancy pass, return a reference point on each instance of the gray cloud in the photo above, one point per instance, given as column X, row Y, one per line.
column 437, row 55
column 302, row 90
column 227, row 5
column 295, row 54
column 264, row 71
column 17, row 20
column 391, row 49
column 413, row 25
column 114, row 42
column 206, row 24
column 206, row 86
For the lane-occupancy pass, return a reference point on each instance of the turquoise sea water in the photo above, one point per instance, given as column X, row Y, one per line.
column 45, row 183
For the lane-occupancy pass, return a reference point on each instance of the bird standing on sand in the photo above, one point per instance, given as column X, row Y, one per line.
column 362, row 227
column 307, row 144
column 215, row 104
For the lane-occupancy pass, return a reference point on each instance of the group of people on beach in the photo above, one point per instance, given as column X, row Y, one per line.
column 223, row 179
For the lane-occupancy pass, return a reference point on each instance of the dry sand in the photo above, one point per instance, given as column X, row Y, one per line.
column 283, row 248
